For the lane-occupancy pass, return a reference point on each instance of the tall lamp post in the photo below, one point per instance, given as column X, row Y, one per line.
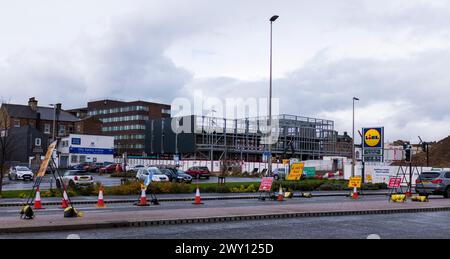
column 269, row 167
column 54, row 122
column 353, row 139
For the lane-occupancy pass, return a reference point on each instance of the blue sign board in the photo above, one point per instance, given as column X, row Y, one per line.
column 76, row 141
column 91, row 151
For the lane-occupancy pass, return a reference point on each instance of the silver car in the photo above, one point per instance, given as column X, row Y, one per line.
column 20, row 173
column 434, row 183
column 158, row 176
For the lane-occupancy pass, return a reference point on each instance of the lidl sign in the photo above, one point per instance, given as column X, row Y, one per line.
column 373, row 137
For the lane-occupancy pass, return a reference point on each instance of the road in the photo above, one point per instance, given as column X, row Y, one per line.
column 106, row 181
column 55, row 210
column 394, row 226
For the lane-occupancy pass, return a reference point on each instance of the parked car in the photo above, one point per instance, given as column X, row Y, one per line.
column 158, row 176
column 199, row 172
column 79, row 167
column 111, row 168
column 20, row 173
column 134, row 168
column 176, row 175
column 434, row 183
column 76, row 178
column 94, row 167
column 279, row 174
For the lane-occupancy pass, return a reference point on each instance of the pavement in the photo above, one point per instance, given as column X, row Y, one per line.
column 212, row 212
column 430, row 225
column 106, row 180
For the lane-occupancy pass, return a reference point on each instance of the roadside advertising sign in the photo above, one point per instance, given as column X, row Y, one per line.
column 355, row 182
column 266, row 184
column 309, row 172
column 48, row 156
column 373, row 144
column 296, row 172
column 394, row 182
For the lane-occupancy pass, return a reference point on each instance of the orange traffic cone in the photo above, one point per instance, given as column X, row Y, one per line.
column 143, row 200
column 198, row 199
column 280, row 195
column 355, row 193
column 100, row 202
column 65, row 200
column 37, row 200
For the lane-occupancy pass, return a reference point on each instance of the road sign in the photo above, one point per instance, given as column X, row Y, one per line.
column 355, row 182
column 47, row 158
column 394, row 182
column 309, row 172
column 266, row 156
column 369, row 178
column 176, row 158
column 296, row 172
column 373, row 144
column 266, row 184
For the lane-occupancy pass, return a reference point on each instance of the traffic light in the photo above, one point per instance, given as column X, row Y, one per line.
column 424, row 146
column 408, row 154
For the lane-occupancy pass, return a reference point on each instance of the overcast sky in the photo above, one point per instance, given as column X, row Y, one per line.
column 393, row 55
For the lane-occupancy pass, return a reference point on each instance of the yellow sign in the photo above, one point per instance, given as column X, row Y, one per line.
column 285, row 161
column 296, row 172
column 48, row 156
column 355, row 182
column 372, row 138
column 369, row 178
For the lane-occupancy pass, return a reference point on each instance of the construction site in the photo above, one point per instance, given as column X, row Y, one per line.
column 214, row 138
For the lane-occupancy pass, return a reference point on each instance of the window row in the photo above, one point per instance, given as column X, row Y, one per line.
column 124, row 127
column 129, row 146
column 124, row 118
column 125, row 137
column 117, row 110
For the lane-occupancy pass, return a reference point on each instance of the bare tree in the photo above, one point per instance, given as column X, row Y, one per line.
column 5, row 143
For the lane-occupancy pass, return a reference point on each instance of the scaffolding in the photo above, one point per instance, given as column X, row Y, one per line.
column 242, row 139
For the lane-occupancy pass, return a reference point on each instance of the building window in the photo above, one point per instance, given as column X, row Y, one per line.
column 165, row 111
column 62, row 130
column 16, row 123
column 47, row 128
column 82, row 159
column 74, row 159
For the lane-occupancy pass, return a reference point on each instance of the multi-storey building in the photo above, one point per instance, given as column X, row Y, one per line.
column 125, row 121
column 242, row 139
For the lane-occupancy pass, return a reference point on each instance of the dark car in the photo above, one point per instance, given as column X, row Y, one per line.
column 176, row 175
column 109, row 169
column 199, row 172
column 79, row 167
column 94, row 167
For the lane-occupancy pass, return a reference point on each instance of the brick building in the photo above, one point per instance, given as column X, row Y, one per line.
column 125, row 121
column 40, row 118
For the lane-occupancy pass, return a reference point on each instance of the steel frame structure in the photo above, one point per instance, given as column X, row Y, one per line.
column 241, row 139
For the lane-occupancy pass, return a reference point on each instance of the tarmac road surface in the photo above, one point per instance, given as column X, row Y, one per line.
column 394, row 226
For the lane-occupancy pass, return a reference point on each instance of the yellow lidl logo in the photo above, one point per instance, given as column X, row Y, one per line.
column 372, row 137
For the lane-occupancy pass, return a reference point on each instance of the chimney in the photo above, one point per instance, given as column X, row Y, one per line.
column 32, row 102
column 58, row 107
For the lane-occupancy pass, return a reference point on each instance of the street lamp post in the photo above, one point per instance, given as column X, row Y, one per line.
column 269, row 167
column 54, row 122
column 353, row 138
